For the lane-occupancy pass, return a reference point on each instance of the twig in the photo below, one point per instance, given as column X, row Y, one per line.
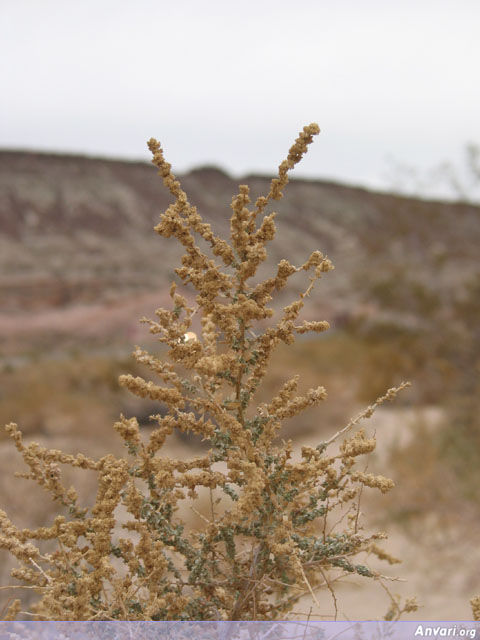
column 200, row 515
column 47, row 578
column 357, row 514
column 306, row 626
column 366, row 413
column 329, row 587
column 308, row 585
column 21, row 586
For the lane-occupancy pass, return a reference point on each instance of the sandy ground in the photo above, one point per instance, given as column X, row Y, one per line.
column 439, row 564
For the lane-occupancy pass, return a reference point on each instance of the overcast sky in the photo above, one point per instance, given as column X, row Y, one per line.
column 232, row 83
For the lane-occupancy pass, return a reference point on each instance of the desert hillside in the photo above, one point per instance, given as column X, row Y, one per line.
column 79, row 230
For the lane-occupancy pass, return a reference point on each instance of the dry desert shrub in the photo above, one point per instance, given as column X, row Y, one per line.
column 277, row 527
